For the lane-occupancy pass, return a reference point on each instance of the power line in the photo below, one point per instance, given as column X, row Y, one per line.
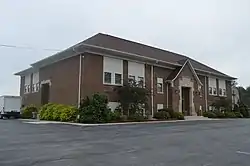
column 28, row 48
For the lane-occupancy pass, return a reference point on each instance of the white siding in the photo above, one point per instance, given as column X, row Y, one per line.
column 136, row 69
column 35, row 78
column 113, row 66
column 27, row 79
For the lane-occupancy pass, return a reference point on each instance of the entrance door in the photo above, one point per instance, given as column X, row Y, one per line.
column 45, row 93
column 186, row 101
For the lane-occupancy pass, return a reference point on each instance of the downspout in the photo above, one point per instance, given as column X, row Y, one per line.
column 205, row 93
column 152, row 90
column 79, row 80
column 167, row 94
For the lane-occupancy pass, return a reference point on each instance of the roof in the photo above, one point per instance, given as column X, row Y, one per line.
column 105, row 41
column 178, row 70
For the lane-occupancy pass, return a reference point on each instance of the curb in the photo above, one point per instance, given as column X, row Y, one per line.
column 110, row 124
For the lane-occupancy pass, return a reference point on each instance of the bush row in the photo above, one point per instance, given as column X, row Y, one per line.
column 168, row 114
column 225, row 114
column 94, row 110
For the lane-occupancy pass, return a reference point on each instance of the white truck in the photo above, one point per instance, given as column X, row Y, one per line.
column 10, row 106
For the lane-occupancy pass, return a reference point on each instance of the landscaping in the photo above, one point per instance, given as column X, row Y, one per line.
column 133, row 99
column 239, row 111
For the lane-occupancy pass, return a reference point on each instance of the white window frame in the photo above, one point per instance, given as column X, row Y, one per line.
column 140, row 78
column 115, row 78
column 210, row 92
column 216, row 90
column 104, row 81
column 159, row 81
column 130, row 78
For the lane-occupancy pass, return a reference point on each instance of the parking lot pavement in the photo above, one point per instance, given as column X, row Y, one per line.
column 198, row 143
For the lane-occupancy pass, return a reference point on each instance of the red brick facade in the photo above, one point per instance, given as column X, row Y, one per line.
column 64, row 78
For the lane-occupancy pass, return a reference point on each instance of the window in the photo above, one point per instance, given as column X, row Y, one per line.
column 107, row 77
column 33, row 88
column 37, row 87
column 159, row 106
column 25, row 89
column 118, row 79
column 210, row 90
column 140, row 81
column 224, row 92
column 220, row 91
column 159, row 85
column 215, row 91
column 131, row 79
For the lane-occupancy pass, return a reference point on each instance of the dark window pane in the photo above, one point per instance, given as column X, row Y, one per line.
column 107, row 77
column 118, row 78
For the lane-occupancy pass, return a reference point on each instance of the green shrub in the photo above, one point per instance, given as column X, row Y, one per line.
column 238, row 115
column 95, row 110
column 68, row 114
column 137, row 118
column 209, row 114
column 117, row 116
column 220, row 114
column 178, row 116
column 162, row 115
column 230, row 115
column 26, row 112
column 58, row 112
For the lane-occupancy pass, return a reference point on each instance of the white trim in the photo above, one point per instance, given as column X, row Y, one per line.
column 192, row 69
column 132, row 54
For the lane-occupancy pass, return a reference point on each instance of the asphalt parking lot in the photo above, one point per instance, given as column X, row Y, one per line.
column 203, row 143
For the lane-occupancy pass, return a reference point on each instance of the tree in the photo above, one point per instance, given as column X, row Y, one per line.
column 133, row 98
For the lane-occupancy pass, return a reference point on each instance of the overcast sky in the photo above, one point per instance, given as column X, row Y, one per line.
column 215, row 32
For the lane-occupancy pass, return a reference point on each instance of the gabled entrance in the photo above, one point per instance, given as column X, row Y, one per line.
column 45, row 91
column 185, row 99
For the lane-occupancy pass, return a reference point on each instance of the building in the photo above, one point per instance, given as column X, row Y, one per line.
column 103, row 62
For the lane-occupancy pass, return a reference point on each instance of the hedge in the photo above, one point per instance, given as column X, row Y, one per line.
column 58, row 112
column 27, row 112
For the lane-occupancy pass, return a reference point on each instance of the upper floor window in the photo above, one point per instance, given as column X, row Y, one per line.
column 131, row 79
column 212, row 84
column 140, row 81
column 136, row 71
column 224, row 92
column 222, row 86
column 159, row 85
column 215, row 91
column 220, row 91
column 210, row 90
column 112, row 71
column 118, row 79
column 107, row 77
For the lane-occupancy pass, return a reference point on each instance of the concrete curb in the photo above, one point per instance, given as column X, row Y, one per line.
column 110, row 124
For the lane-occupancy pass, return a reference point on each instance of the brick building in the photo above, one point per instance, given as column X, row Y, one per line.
column 103, row 62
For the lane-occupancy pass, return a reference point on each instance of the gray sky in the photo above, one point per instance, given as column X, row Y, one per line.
column 215, row 32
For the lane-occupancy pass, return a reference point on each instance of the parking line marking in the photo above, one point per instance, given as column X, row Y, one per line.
column 245, row 153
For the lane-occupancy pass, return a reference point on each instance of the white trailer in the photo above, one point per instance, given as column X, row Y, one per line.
column 10, row 106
